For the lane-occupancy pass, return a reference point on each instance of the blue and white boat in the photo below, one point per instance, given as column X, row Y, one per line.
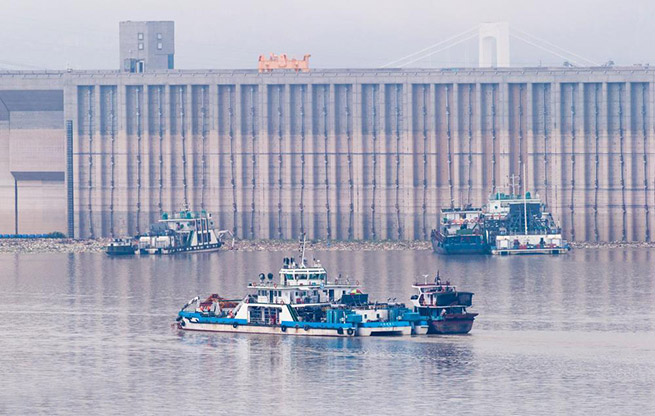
column 301, row 302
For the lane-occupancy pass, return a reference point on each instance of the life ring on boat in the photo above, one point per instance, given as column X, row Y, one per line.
column 275, row 285
column 306, row 327
column 350, row 331
column 283, row 328
column 235, row 325
column 340, row 331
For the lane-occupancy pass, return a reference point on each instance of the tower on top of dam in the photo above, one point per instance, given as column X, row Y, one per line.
column 494, row 45
column 147, row 46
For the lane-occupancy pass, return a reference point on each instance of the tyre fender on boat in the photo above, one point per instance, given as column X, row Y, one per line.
column 306, row 327
column 183, row 323
column 235, row 325
column 350, row 331
column 340, row 331
column 283, row 328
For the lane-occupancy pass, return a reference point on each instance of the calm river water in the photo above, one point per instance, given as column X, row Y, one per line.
column 88, row 334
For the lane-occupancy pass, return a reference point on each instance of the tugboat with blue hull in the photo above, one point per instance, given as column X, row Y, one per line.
column 460, row 232
column 301, row 302
column 444, row 307
column 121, row 247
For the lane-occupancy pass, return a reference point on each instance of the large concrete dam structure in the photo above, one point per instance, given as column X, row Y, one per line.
column 339, row 154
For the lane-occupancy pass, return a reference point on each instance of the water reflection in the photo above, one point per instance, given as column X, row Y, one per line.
column 93, row 334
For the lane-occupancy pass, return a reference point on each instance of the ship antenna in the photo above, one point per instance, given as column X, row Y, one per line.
column 525, row 201
column 302, row 251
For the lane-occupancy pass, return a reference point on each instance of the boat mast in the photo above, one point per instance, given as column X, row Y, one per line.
column 525, row 200
column 302, row 251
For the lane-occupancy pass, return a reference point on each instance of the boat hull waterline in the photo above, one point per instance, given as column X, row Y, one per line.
column 453, row 324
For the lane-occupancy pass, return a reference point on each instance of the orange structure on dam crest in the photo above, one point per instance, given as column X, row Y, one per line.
column 282, row 62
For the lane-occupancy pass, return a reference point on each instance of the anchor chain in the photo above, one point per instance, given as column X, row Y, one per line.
column 572, row 202
column 302, row 160
column 596, row 160
column 644, row 133
column 230, row 112
column 374, row 139
column 183, row 134
column 253, row 136
column 493, row 139
column 545, row 103
column 203, row 138
column 351, row 205
column 327, row 173
column 137, row 98
column 470, row 145
column 397, row 181
column 112, row 159
column 521, row 178
column 450, row 161
column 279, row 159
column 90, row 160
column 425, row 162
column 622, row 162
column 160, row 115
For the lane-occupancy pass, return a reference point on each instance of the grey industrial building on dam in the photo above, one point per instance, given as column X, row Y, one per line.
column 338, row 154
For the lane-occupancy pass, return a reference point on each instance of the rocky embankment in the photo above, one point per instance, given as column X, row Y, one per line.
column 612, row 244
column 51, row 245
column 67, row 245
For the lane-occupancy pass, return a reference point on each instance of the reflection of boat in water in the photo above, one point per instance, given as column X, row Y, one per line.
column 186, row 231
column 121, row 247
column 460, row 232
column 444, row 307
column 301, row 302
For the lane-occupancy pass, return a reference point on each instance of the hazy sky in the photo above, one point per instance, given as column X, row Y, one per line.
column 338, row 33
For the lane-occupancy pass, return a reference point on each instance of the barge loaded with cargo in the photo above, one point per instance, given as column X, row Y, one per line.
column 460, row 232
column 520, row 224
column 508, row 224
column 184, row 231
